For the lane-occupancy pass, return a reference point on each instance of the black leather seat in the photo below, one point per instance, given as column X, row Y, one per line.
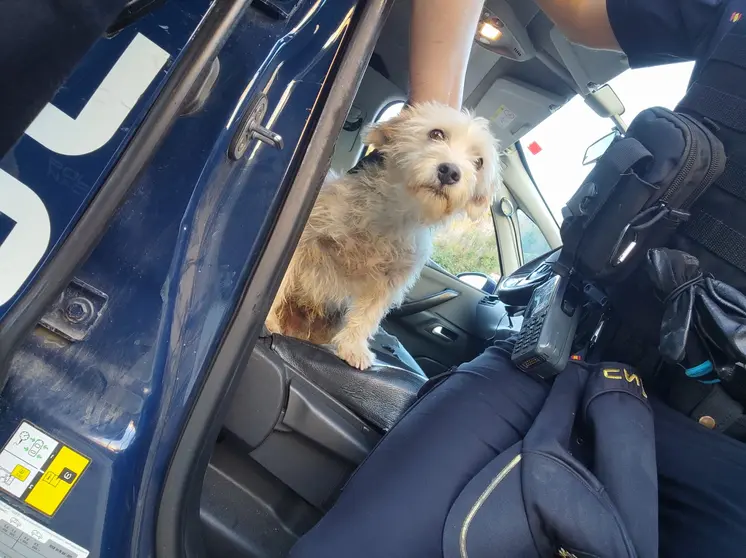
column 309, row 418
column 378, row 395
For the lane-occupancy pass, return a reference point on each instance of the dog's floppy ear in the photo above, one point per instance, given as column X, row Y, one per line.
column 488, row 185
column 477, row 206
column 482, row 199
column 381, row 133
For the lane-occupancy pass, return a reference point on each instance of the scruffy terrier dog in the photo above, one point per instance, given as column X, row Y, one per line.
column 369, row 234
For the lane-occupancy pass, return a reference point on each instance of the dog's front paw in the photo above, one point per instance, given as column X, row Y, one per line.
column 358, row 356
column 272, row 324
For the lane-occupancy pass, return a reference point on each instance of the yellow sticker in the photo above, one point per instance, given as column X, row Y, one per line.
column 503, row 117
column 39, row 470
column 21, row 473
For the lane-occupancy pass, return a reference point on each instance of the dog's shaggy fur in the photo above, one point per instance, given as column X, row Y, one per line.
column 369, row 234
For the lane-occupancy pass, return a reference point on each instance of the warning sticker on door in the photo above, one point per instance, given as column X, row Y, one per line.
column 22, row 537
column 39, row 470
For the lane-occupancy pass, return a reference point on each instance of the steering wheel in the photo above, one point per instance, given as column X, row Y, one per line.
column 516, row 289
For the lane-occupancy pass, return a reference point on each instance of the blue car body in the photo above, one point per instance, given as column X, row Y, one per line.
column 176, row 262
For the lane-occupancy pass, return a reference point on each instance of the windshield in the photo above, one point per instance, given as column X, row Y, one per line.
column 554, row 149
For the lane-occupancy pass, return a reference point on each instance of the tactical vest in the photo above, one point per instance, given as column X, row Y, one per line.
column 716, row 231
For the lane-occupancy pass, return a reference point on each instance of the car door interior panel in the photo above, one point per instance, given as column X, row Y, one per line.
column 452, row 321
column 416, row 305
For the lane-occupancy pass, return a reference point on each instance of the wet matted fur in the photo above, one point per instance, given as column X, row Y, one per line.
column 369, row 233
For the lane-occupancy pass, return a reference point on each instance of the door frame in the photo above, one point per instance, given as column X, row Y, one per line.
column 521, row 192
column 177, row 529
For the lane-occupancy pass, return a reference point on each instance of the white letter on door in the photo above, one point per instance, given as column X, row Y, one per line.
column 110, row 104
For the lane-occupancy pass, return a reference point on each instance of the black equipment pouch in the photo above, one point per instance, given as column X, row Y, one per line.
column 640, row 190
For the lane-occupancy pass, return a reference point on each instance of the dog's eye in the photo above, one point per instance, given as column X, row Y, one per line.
column 437, row 135
column 479, row 163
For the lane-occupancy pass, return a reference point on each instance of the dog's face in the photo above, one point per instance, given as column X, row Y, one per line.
column 447, row 159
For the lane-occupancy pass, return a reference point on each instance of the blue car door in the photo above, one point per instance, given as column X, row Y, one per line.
column 146, row 216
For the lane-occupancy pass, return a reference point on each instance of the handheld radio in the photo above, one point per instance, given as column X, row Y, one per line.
column 548, row 329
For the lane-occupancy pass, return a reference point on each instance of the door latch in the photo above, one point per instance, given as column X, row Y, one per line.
column 444, row 333
column 250, row 128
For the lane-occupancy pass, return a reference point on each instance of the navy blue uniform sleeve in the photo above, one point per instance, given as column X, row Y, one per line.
column 653, row 32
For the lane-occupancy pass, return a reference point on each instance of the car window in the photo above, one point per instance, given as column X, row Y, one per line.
column 554, row 149
column 465, row 246
column 390, row 110
column 533, row 242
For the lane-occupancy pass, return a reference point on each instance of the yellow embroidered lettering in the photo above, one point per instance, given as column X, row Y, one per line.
column 633, row 378
column 612, row 373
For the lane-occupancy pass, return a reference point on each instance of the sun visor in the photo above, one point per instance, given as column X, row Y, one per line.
column 586, row 65
column 514, row 108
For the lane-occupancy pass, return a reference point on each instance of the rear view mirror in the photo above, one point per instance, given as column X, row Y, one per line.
column 598, row 148
column 605, row 102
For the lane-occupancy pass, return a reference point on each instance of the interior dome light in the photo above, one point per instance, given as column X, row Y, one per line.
column 489, row 31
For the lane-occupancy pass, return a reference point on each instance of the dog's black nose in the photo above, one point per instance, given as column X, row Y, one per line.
column 448, row 174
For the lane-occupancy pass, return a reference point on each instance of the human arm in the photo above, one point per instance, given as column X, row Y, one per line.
column 585, row 22
column 441, row 36
column 649, row 32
